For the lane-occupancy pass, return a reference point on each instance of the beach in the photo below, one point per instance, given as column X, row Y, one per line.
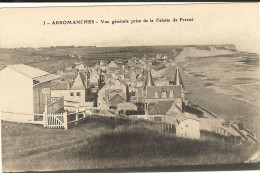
column 236, row 102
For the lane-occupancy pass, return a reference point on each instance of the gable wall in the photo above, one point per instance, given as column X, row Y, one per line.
column 16, row 94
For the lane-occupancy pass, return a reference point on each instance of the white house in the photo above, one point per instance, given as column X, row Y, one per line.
column 75, row 96
column 118, row 84
column 112, row 64
column 80, row 66
column 187, row 126
column 21, row 92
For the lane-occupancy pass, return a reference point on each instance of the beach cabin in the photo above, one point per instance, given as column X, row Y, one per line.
column 187, row 126
column 21, row 93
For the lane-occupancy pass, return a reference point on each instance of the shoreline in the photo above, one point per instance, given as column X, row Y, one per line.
column 223, row 105
column 217, row 90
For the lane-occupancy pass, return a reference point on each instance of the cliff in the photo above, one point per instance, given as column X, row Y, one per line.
column 205, row 51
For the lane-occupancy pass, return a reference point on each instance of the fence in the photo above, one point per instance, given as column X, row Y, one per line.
column 55, row 99
column 56, row 120
column 76, row 117
column 63, row 120
column 220, row 131
column 56, row 104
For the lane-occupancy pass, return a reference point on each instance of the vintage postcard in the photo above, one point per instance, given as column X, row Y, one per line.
column 129, row 87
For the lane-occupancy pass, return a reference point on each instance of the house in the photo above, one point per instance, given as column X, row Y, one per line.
column 187, row 126
column 119, row 84
column 112, row 64
column 106, row 97
column 152, row 94
column 76, row 94
column 114, row 97
column 158, row 56
column 158, row 111
column 165, row 57
column 80, row 66
column 21, row 92
column 131, row 63
column 149, row 63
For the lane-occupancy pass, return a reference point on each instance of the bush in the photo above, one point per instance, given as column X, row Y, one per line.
column 132, row 112
column 193, row 110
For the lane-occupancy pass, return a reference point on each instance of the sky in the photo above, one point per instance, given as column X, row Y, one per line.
column 229, row 23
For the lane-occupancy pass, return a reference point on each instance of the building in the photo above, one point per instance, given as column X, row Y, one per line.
column 119, row 84
column 155, row 94
column 166, row 104
column 79, row 66
column 187, row 126
column 150, row 94
column 131, row 63
column 112, row 64
column 114, row 97
column 159, row 111
column 106, row 95
column 21, row 92
column 74, row 96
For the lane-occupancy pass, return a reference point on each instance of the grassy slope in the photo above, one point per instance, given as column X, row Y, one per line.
column 102, row 143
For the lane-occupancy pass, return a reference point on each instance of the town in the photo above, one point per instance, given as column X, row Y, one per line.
column 132, row 88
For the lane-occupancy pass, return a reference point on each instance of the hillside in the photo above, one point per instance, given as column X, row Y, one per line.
column 99, row 143
column 27, row 55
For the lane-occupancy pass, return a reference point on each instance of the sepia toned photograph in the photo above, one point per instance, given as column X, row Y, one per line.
column 138, row 87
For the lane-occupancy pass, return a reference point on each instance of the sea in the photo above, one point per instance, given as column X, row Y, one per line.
column 227, row 85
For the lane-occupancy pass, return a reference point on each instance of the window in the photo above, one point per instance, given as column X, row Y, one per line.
column 164, row 94
column 171, row 94
column 117, row 98
column 156, row 95
column 72, row 94
column 78, row 93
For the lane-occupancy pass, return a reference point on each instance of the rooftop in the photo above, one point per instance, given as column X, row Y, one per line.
column 184, row 116
column 175, row 88
column 161, row 108
column 34, row 73
column 28, row 70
